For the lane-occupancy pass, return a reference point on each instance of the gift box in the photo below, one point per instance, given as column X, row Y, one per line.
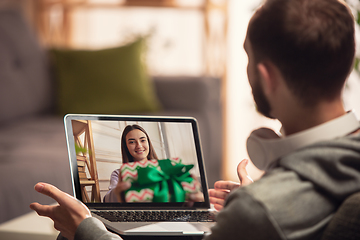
column 166, row 180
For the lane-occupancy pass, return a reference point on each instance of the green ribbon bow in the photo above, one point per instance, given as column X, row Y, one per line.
column 164, row 181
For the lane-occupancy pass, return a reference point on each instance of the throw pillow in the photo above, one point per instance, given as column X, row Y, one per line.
column 110, row 81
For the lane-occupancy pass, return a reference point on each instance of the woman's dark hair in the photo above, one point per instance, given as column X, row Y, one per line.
column 126, row 156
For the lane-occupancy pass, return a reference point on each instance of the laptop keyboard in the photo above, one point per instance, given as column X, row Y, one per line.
column 157, row 216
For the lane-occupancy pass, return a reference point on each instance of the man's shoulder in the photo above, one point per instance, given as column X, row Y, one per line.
column 281, row 185
column 241, row 215
column 277, row 185
column 286, row 197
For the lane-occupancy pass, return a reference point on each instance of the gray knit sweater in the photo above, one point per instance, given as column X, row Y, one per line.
column 297, row 199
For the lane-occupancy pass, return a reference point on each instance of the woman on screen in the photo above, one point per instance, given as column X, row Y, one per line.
column 135, row 146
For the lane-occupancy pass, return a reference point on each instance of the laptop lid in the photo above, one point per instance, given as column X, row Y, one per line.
column 94, row 148
column 95, row 153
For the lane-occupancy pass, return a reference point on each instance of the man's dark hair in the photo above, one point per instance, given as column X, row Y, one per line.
column 311, row 41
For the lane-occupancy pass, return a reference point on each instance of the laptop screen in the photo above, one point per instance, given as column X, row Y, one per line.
column 160, row 156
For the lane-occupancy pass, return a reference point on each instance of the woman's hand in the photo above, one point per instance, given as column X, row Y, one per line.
column 195, row 197
column 121, row 187
column 222, row 189
column 67, row 215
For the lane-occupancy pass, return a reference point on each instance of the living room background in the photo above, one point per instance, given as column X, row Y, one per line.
column 177, row 46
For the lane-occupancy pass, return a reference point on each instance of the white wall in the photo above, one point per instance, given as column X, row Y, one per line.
column 175, row 42
column 241, row 117
column 182, row 145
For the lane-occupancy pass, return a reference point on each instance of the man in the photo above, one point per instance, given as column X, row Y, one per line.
column 300, row 54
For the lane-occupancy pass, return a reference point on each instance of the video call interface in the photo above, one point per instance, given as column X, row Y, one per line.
column 159, row 159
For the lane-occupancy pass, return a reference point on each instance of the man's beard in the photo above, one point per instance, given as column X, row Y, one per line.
column 262, row 104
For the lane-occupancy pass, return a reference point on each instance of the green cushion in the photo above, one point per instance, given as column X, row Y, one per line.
column 111, row 81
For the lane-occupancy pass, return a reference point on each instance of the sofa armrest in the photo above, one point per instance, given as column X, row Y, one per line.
column 187, row 93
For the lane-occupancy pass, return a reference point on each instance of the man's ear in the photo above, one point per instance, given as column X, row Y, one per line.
column 269, row 77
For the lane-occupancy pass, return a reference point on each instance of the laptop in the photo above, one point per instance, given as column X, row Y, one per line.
column 96, row 160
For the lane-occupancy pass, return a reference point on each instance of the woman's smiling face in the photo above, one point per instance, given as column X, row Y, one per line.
column 137, row 144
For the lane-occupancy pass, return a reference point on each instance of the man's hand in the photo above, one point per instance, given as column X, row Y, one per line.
column 220, row 192
column 67, row 215
column 222, row 189
column 244, row 177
